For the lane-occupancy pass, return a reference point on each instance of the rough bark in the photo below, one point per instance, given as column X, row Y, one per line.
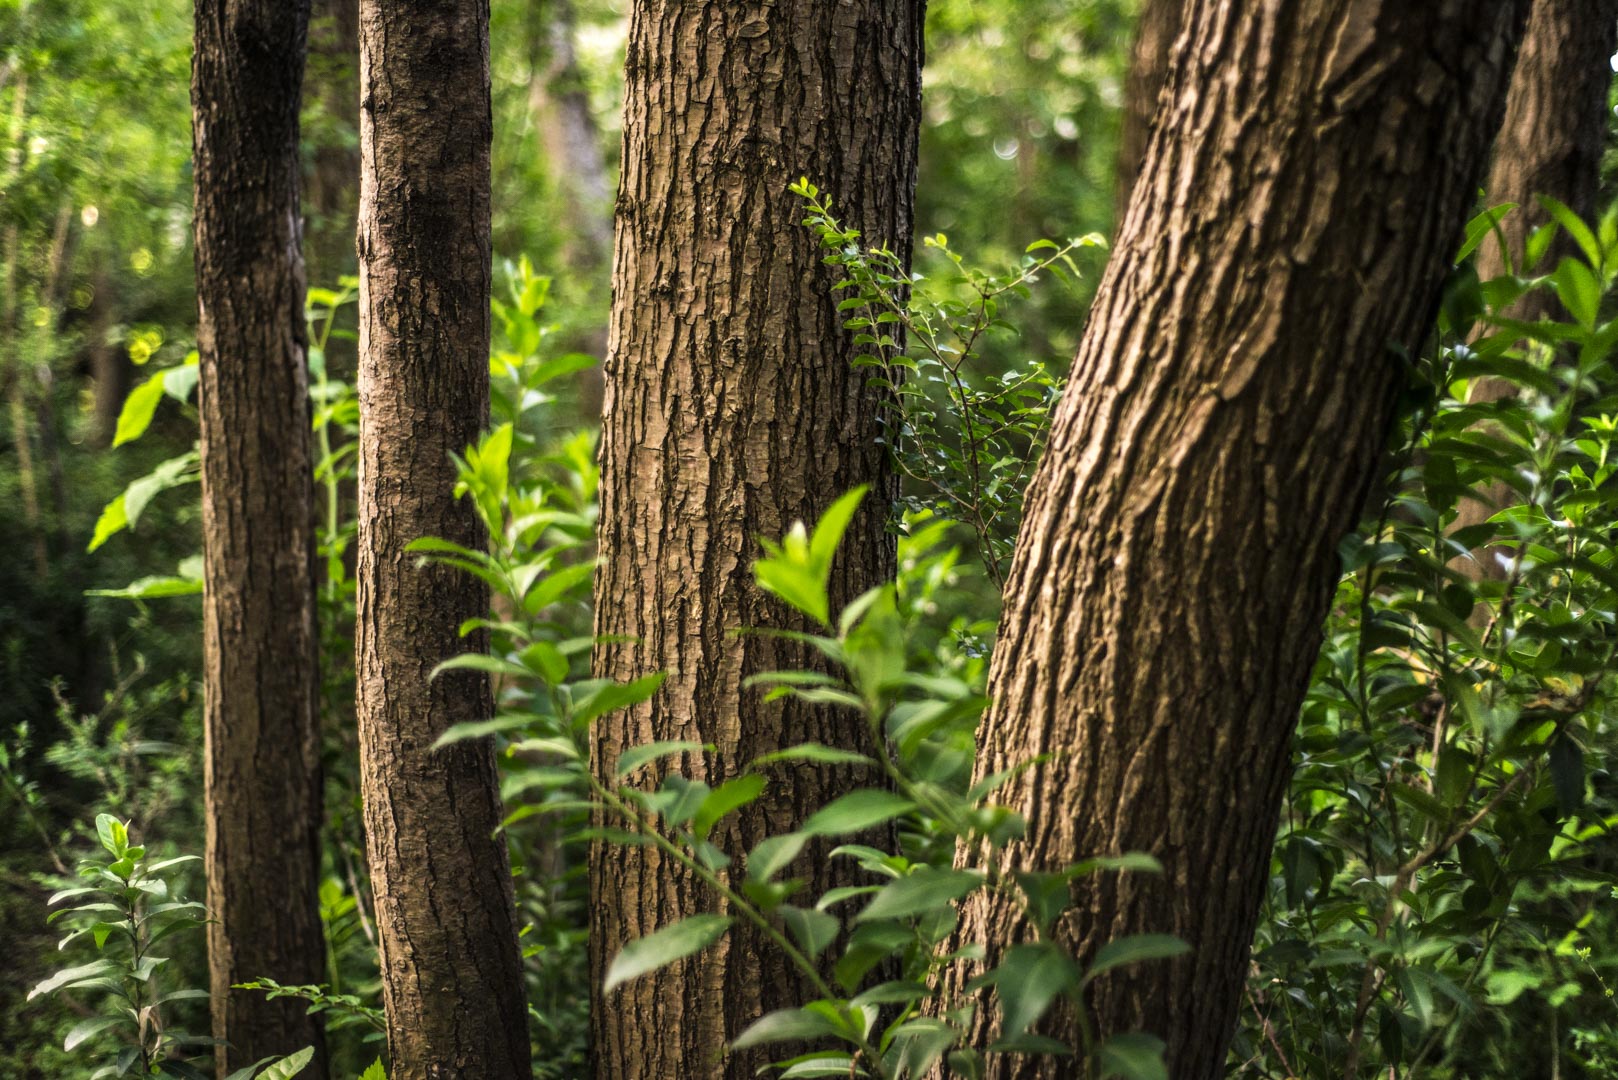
column 1296, row 215
column 261, row 756
column 451, row 971
column 731, row 411
column 1550, row 143
column 1155, row 31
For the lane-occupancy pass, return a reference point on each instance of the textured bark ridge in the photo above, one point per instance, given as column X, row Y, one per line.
column 261, row 756
column 1550, row 143
column 1297, row 211
column 731, row 411
column 451, row 971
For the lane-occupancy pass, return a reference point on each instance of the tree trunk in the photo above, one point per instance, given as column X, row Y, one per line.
column 732, row 410
column 1550, row 143
column 1148, row 69
column 1315, row 162
column 451, row 971
column 570, row 140
column 261, row 757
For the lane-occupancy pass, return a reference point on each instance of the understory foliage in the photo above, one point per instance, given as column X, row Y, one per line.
column 1441, row 899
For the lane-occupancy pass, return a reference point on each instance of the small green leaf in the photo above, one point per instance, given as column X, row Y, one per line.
column 813, row 930
column 663, row 947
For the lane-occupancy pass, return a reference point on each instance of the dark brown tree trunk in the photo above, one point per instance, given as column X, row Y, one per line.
column 1550, row 143
column 1148, row 69
column 451, row 971
column 261, row 758
column 1294, row 220
column 732, row 410
column 109, row 364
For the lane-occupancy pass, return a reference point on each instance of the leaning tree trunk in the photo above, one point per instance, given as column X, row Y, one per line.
column 261, row 757
column 1550, row 143
column 1296, row 214
column 731, row 411
column 445, row 916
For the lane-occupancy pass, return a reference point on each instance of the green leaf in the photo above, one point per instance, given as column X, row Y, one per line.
column 289, row 1066
column 856, row 812
column 1134, row 1056
column 113, row 520
column 375, row 1071
column 112, row 833
column 1579, row 291
column 636, row 756
column 86, row 1029
column 62, row 978
column 1028, row 980
column 139, row 408
column 813, row 930
column 926, row 890
column 663, row 947
column 1134, row 950
column 477, row 729
column 729, row 796
column 614, row 696
column 816, row 752
column 773, row 853
column 830, row 528
column 493, row 665
column 786, row 1025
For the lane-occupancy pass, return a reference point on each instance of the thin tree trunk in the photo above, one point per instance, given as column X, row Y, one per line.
column 445, row 915
column 570, row 140
column 109, row 364
column 1295, row 217
column 732, row 410
column 334, row 169
column 261, row 756
column 1155, row 31
column 1550, row 143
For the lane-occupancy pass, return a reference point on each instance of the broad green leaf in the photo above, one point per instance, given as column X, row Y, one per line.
column 815, row 752
column 1134, row 950
column 614, row 696
column 663, row 947
column 289, row 1066
column 1028, row 979
column 1134, row 1056
column 856, row 812
column 113, row 520
column 139, row 408
column 729, row 796
column 813, row 930
column 91, row 1027
column 786, row 1025
column 94, row 970
column 925, row 890
column 830, row 528
column 636, row 756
